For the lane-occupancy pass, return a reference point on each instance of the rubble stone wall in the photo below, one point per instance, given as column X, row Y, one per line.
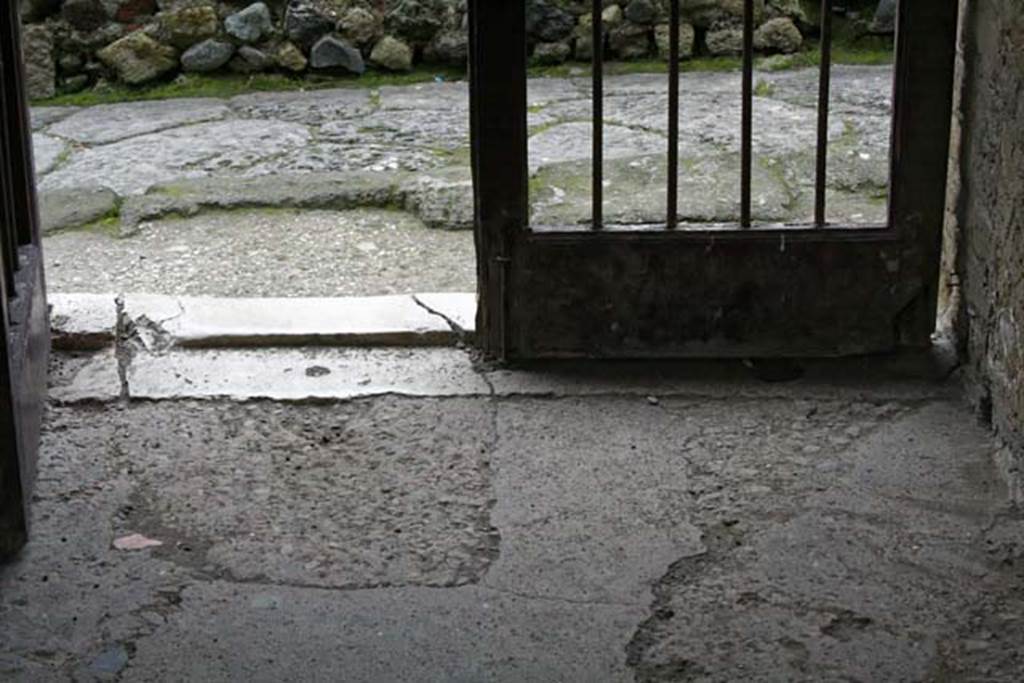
column 71, row 45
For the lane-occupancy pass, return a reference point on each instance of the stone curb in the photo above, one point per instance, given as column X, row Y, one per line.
column 82, row 322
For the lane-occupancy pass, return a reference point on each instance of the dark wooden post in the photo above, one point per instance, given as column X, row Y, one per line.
column 922, row 119
column 499, row 138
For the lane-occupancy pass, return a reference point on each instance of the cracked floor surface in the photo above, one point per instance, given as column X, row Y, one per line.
column 589, row 533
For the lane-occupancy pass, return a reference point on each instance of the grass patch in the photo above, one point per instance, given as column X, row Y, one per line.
column 808, row 57
column 230, row 85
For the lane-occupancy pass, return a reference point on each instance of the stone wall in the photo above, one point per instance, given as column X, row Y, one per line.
column 991, row 253
column 74, row 44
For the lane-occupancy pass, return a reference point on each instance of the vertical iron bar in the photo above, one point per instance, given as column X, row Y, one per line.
column 824, row 87
column 598, row 136
column 746, row 154
column 673, row 117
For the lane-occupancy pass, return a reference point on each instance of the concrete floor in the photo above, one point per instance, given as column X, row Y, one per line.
column 584, row 523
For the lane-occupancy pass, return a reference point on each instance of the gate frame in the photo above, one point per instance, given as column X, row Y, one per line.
column 24, row 314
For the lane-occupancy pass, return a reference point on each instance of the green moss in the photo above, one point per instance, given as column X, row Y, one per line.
column 537, row 130
column 453, row 157
column 764, row 89
column 109, row 225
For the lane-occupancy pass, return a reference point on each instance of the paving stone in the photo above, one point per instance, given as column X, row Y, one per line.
column 131, row 166
column 312, row 108
column 75, row 207
column 45, row 116
column 47, row 151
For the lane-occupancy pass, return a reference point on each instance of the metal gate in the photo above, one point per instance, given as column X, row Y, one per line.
column 740, row 290
column 23, row 312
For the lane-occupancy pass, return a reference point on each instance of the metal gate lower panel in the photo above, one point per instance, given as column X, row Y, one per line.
column 725, row 291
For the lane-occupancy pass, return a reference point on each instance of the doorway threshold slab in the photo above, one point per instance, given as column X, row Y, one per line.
column 309, row 374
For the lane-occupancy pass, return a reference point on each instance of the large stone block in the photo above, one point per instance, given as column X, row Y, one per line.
column 331, row 52
column 37, row 10
column 707, row 13
column 137, row 58
column 84, row 15
column 40, row 70
column 187, row 26
column 687, row 37
column 250, row 24
column 778, row 35
column 392, row 54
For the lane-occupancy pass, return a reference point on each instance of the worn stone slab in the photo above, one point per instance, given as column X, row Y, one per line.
column 442, row 199
column 303, row 374
column 206, row 322
column 312, row 107
column 82, row 322
column 45, row 116
column 108, row 123
column 132, row 165
column 47, row 151
column 75, row 207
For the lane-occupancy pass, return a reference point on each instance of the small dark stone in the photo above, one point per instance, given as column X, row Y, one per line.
column 251, row 60
column 208, row 55
column 548, row 23
column 331, row 52
column 304, row 25
column 250, row 24
column 415, row 20
column 84, row 15
column 642, row 12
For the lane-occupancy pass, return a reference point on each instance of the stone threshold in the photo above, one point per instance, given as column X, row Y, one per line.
column 157, row 323
column 326, row 373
